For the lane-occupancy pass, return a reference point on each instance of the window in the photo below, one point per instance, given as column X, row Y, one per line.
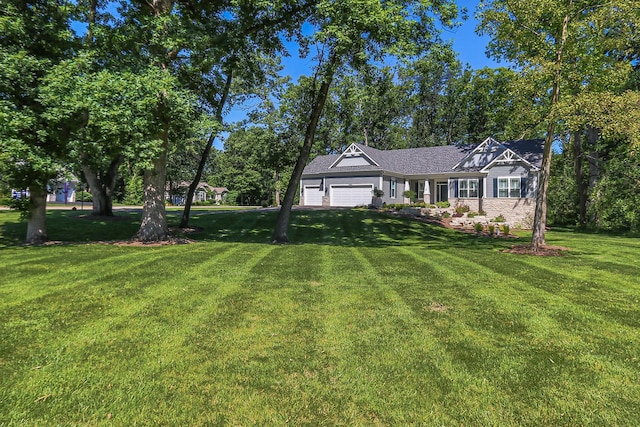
column 394, row 184
column 467, row 188
column 509, row 187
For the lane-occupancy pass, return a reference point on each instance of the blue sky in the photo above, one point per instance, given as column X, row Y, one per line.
column 470, row 47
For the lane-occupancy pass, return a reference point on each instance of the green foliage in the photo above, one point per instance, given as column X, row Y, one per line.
column 563, row 198
column 443, row 205
column 248, row 165
column 492, row 229
column 35, row 37
column 134, row 191
column 83, row 196
column 616, row 197
column 478, row 227
column 460, row 209
column 409, row 194
column 506, row 229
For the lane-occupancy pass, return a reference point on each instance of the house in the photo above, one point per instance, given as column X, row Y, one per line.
column 63, row 191
column 204, row 193
column 59, row 191
column 499, row 178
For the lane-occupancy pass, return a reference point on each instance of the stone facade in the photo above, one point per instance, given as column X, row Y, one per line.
column 474, row 204
column 518, row 213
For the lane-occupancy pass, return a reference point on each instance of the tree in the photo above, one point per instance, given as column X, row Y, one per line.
column 568, row 44
column 186, row 39
column 353, row 32
column 31, row 148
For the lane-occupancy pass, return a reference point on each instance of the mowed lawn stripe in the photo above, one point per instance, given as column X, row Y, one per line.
column 547, row 344
column 369, row 320
column 134, row 343
column 253, row 349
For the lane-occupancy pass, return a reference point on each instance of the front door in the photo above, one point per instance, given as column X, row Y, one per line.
column 442, row 194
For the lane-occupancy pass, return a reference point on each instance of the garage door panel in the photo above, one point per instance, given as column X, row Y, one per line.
column 312, row 195
column 350, row 196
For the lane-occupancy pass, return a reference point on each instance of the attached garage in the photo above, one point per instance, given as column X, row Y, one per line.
column 351, row 195
column 312, row 195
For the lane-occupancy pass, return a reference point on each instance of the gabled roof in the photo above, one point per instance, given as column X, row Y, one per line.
column 428, row 160
column 410, row 161
column 491, row 152
column 352, row 151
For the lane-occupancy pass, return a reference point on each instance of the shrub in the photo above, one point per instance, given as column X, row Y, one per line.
column 443, row 205
column 471, row 214
column 84, row 196
column 409, row 194
column 478, row 227
column 134, row 192
column 377, row 192
column 492, row 229
column 460, row 209
column 499, row 218
column 446, row 215
column 505, row 229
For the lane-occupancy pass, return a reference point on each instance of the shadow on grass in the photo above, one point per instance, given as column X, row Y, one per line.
column 70, row 226
column 343, row 227
column 336, row 227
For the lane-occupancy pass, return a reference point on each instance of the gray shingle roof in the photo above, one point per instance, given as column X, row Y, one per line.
column 419, row 161
column 529, row 149
column 410, row 161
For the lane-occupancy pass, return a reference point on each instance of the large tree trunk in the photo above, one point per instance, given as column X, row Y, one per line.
column 153, row 227
column 37, row 225
column 102, row 187
column 284, row 215
column 578, row 161
column 538, row 240
column 184, row 222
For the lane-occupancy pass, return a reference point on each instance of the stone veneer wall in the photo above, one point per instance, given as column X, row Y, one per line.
column 474, row 204
column 518, row 213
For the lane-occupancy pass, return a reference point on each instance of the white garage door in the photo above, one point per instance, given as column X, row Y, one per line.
column 349, row 196
column 312, row 195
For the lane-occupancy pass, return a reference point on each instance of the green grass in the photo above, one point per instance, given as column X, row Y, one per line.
column 365, row 320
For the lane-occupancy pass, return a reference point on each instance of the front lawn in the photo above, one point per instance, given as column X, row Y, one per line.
column 365, row 320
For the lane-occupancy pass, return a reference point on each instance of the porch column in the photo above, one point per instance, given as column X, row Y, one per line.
column 407, row 187
column 427, row 192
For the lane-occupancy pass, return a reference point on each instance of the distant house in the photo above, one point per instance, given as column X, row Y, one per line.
column 499, row 178
column 204, row 192
column 61, row 191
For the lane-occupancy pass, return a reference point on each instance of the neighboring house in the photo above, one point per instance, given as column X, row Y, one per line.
column 63, row 191
column 499, row 178
column 204, row 192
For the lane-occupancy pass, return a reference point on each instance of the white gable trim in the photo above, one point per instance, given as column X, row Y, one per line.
column 481, row 147
column 353, row 151
column 509, row 156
